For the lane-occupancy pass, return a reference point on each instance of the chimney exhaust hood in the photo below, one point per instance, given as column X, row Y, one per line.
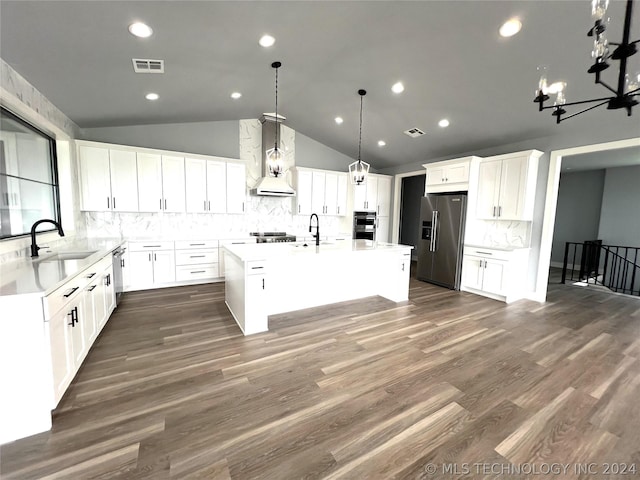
column 271, row 186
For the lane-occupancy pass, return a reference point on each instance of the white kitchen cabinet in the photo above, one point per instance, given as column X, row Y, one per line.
column 124, row 181
column 109, row 292
column 149, row 182
column 304, row 192
column 506, row 186
column 382, row 230
column 95, row 183
column 374, row 195
column 173, row 184
column 206, row 189
column 342, row 194
column 108, row 179
column 384, row 196
column 197, row 261
column 236, row 187
column 60, row 330
column 498, row 274
column 323, row 192
column 92, row 301
column 448, row 175
column 318, row 204
column 151, row 264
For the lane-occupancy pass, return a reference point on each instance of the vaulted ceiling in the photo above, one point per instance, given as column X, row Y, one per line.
column 448, row 54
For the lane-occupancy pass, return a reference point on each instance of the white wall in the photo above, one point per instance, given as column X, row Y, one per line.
column 620, row 214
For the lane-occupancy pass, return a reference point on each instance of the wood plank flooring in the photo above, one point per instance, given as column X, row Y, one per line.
column 359, row 390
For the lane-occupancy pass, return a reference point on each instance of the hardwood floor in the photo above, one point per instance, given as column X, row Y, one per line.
column 359, row 390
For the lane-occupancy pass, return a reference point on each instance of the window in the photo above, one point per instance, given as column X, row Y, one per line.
column 28, row 177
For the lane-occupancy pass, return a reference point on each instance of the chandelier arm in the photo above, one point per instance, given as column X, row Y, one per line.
column 608, row 87
column 568, row 104
column 581, row 111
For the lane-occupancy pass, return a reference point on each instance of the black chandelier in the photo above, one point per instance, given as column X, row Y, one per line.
column 628, row 85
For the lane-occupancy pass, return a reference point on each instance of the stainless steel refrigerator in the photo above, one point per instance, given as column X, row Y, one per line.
column 442, row 220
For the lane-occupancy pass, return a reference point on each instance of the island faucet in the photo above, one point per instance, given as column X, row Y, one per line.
column 317, row 235
column 34, row 246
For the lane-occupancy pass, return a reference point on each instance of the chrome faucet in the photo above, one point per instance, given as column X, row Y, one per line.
column 317, row 235
column 34, row 247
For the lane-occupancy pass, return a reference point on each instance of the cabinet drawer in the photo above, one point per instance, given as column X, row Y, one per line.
column 56, row 300
column 183, row 244
column 238, row 241
column 150, row 245
column 196, row 272
column 195, row 256
column 257, row 267
column 488, row 253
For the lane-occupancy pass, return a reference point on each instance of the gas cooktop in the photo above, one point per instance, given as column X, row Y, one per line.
column 273, row 237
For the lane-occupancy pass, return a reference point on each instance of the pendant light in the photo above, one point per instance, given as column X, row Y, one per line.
column 275, row 156
column 358, row 170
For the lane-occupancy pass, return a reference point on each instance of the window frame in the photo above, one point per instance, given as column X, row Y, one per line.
column 53, row 154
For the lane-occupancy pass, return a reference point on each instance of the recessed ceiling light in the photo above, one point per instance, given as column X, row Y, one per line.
column 510, row 27
column 339, row 120
column 152, row 96
column 443, row 123
column 140, row 29
column 266, row 41
column 381, row 143
column 236, row 95
column 397, row 87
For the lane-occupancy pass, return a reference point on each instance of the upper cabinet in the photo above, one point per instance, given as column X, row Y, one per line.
column 507, row 186
column 448, row 176
column 374, row 195
column 129, row 179
column 322, row 192
column 236, row 187
column 206, row 186
column 108, row 179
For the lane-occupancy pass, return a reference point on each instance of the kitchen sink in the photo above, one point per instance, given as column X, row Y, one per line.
column 56, row 257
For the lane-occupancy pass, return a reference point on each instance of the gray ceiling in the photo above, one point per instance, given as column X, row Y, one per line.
column 448, row 54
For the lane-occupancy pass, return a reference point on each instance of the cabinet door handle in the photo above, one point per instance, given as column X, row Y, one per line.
column 196, row 256
column 122, row 262
column 154, row 257
column 256, row 268
column 263, row 283
column 494, row 211
column 114, row 203
column 108, row 279
column 160, row 204
column 91, row 275
column 73, row 320
column 149, row 257
column 197, row 244
column 483, row 253
column 92, row 288
column 243, row 206
column 338, row 210
column 198, row 271
column 205, row 205
column 499, row 211
column 298, row 208
column 209, row 204
column 151, row 246
column 68, row 294
column 108, row 204
column 165, row 203
column 443, row 179
column 403, row 266
column 446, row 179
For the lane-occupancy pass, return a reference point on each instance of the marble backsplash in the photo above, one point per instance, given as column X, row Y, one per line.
column 500, row 233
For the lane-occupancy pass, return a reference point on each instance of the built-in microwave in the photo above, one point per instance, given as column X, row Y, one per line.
column 364, row 225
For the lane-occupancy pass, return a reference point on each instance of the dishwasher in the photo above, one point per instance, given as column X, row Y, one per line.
column 118, row 265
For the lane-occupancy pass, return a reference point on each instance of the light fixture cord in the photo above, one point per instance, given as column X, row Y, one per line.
column 277, row 128
column 360, row 136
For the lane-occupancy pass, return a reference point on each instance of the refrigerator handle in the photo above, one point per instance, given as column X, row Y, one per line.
column 434, row 231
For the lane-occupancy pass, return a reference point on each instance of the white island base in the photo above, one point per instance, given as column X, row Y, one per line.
column 267, row 279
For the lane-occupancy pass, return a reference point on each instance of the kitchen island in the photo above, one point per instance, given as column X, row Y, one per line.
column 267, row 279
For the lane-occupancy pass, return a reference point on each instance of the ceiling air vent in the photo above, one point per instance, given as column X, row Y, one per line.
column 146, row 65
column 414, row 132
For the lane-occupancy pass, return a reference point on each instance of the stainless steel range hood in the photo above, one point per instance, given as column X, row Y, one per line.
column 267, row 185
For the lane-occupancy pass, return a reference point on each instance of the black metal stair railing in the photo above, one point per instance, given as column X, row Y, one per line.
column 612, row 266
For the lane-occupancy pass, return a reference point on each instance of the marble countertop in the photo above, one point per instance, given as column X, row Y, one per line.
column 266, row 251
column 494, row 247
column 45, row 273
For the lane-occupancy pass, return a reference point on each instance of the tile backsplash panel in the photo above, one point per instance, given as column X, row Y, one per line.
column 500, row 233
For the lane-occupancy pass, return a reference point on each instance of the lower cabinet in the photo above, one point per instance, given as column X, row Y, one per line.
column 498, row 274
column 60, row 333
column 382, row 230
column 196, row 261
column 151, row 264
